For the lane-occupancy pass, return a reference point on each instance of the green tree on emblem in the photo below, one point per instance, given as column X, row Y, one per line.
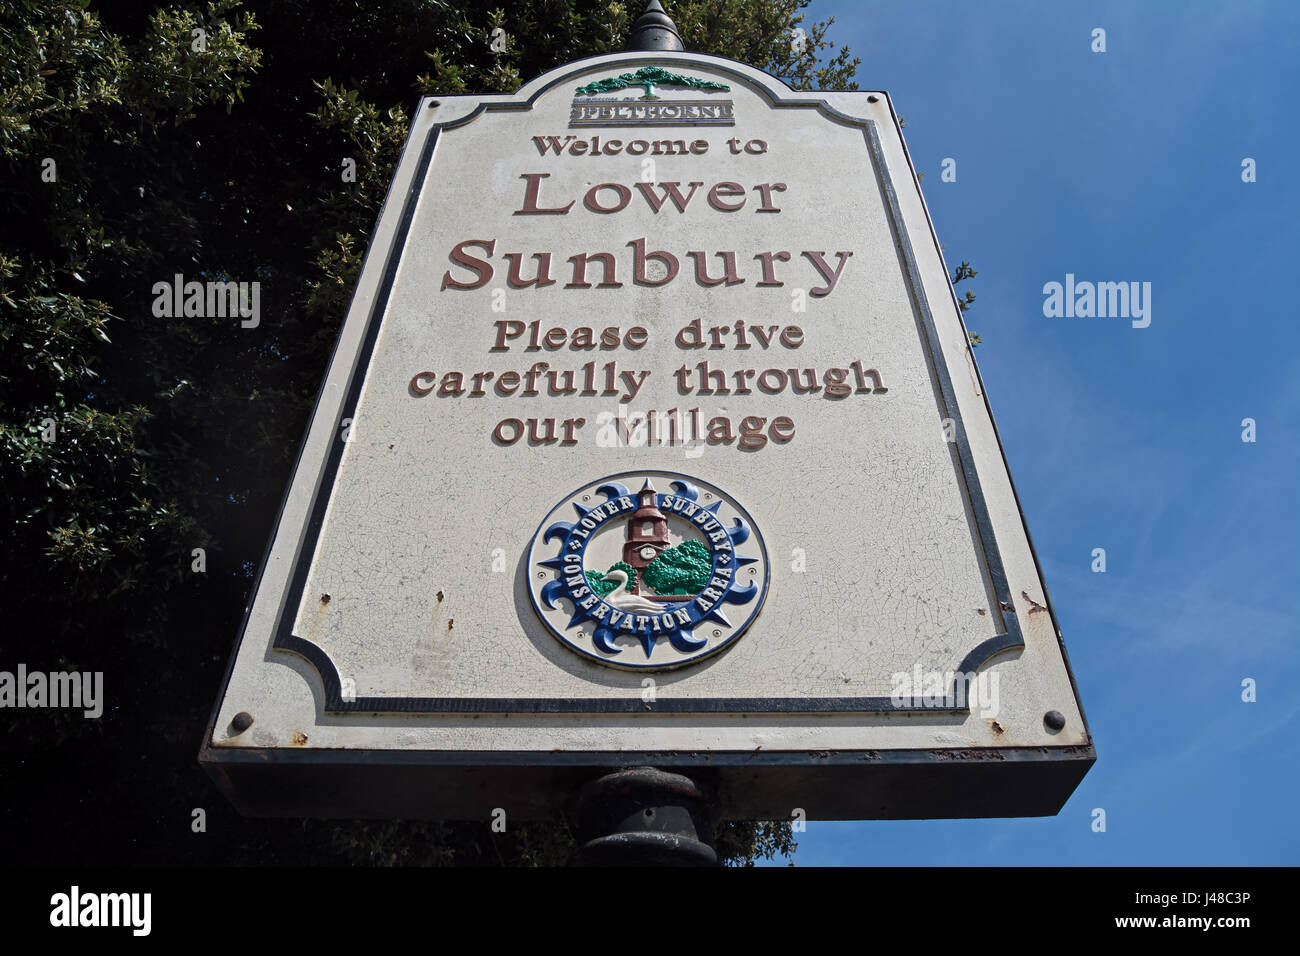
column 684, row 569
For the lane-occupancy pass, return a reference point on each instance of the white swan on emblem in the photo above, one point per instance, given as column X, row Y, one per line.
column 620, row 599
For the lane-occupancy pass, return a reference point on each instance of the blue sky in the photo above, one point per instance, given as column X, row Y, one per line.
column 1127, row 166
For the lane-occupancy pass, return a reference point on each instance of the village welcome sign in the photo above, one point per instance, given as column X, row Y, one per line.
column 652, row 437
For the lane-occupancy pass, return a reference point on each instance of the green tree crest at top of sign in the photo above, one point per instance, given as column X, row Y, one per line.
column 649, row 77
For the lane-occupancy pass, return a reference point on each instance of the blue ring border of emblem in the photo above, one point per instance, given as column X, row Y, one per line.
column 543, row 535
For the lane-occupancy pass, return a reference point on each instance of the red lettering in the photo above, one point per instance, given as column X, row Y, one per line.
column 415, row 382
column 530, row 197
column 480, row 267
column 591, row 202
column 552, row 144
column 726, row 189
column 670, row 191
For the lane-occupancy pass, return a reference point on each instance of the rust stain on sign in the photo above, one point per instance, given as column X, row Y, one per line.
column 1034, row 606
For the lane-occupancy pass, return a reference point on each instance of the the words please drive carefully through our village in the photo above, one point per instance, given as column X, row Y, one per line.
column 810, row 273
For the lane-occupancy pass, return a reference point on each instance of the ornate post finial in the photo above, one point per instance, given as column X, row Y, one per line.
column 654, row 30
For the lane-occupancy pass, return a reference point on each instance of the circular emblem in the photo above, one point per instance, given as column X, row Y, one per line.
column 647, row 570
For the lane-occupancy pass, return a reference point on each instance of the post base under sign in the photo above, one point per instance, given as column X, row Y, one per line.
column 643, row 817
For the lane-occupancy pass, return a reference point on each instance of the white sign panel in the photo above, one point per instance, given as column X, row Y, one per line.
column 652, row 437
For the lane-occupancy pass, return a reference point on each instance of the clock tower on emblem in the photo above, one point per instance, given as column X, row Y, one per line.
column 647, row 531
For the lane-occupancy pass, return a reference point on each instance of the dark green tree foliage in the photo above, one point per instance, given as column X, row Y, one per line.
column 144, row 139
column 682, row 569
